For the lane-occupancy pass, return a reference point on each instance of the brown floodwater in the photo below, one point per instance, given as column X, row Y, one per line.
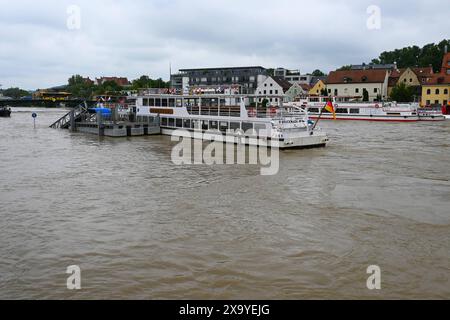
column 141, row 227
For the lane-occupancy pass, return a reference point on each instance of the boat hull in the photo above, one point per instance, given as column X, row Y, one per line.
column 306, row 141
column 368, row 118
column 432, row 118
column 5, row 113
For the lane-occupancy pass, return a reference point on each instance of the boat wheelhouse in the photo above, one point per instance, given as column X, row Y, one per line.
column 238, row 118
column 348, row 109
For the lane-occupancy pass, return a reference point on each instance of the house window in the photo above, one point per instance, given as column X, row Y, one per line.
column 428, row 102
column 276, row 91
column 375, row 90
column 271, row 91
column 265, row 91
column 445, row 91
column 357, row 90
column 436, row 101
column 410, row 80
column 437, row 91
column 429, row 91
column 271, row 84
column 335, row 92
column 445, row 102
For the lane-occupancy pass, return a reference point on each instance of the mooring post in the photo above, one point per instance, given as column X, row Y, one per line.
column 72, row 121
column 115, row 114
column 101, row 128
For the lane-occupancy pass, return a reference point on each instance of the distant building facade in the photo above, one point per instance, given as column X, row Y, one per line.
column 412, row 77
column 243, row 79
column 273, row 86
column 436, row 91
column 318, row 88
column 353, row 84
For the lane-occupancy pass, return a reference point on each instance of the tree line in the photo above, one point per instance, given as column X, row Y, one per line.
column 81, row 88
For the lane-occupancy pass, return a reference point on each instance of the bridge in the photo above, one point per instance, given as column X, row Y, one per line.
column 45, row 103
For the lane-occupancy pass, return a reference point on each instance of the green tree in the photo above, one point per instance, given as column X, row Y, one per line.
column 271, row 72
column 318, row 73
column 145, row 82
column 15, row 93
column 324, row 92
column 108, row 87
column 80, row 88
column 402, row 93
column 430, row 54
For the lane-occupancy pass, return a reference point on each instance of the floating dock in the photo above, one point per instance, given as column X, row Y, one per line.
column 107, row 123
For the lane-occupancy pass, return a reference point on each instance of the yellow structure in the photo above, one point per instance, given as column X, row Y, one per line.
column 51, row 95
column 412, row 77
column 436, row 91
column 436, row 94
column 318, row 88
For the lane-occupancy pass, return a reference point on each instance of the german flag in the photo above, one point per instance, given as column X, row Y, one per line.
column 330, row 108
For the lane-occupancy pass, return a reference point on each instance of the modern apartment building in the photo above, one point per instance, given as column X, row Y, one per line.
column 244, row 79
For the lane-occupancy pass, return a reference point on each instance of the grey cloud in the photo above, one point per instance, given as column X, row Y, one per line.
column 131, row 38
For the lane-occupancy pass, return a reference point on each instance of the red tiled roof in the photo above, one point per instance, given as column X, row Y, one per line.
column 305, row 86
column 445, row 63
column 423, row 72
column 443, row 77
column 438, row 79
column 356, row 76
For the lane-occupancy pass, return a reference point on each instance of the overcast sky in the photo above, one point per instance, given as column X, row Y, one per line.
column 131, row 38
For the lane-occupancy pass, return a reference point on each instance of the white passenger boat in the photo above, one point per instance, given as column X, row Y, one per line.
column 375, row 111
column 238, row 118
column 431, row 114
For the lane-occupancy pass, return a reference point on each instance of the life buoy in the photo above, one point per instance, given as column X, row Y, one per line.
column 252, row 113
column 377, row 106
column 273, row 111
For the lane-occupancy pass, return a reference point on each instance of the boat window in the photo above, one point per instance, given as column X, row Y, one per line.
column 151, row 102
column 235, row 125
column 204, row 125
column 186, row 123
column 164, row 121
column 179, row 123
column 157, row 102
column 341, row 110
column 171, row 102
column 179, row 103
column 196, row 124
column 171, row 122
column 145, row 102
column 223, row 126
column 354, row 111
column 164, row 102
column 313, row 110
column 213, row 124
column 247, row 126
